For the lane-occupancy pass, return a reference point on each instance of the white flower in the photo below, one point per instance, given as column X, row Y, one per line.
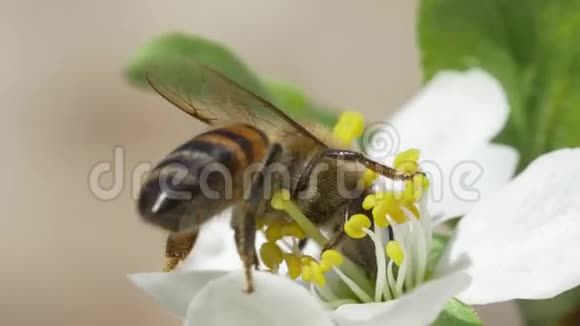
column 452, row 121
column 215, row 298
column 523, row 239
column 215, row 248
column 520, row 239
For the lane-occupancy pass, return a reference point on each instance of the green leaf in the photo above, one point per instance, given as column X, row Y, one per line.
column 170, row 54
column 456, row 313
column 178, row 45
column 293, row 100
column 529, row 46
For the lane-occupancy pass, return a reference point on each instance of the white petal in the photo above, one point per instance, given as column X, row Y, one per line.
column 419, row 307
column 453, row 113
column 174, row 290
column 456, row 186
column 277, row 301
column 523, row 241
column 215, row 248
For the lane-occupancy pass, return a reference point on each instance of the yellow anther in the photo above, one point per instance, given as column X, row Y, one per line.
column 421, row 184
column 305, row 260
column 398, row 215
column 380, row 214
column 395, row 252
column 412, row 208
column 325, row 266
column 369, row 177
column 410, row 155
column 389, row 198
column 406, row 161
column 332, row 257
column 409, row 193
column 350, row 126
column 389, row 204
column 418, row 186
column 369, row 202
column 420, row 180
column 355, row 225
column 382, row 195
column 281, row 199
column 292, row 230
column 294, row 265
column 271, row 255
column 274, row 232
column 306, row 272
column 318, row 277
column 426, row 182
column 408, row 167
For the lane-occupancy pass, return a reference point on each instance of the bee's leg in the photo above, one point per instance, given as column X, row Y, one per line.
column 340, row 234
column 244, row 218
column 350, row 156
column 245, row 236
column 335, row 241
column 178, row 246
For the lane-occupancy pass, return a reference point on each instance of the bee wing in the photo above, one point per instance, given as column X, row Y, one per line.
column 213, row 98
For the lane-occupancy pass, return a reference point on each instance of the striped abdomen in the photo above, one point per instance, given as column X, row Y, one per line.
column 201, row 177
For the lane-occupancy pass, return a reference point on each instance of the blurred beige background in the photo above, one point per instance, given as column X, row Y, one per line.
column 65, row 106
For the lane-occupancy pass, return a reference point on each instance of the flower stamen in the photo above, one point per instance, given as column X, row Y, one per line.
column 394, row 251
column 350, row 126
column 406, row 162
column 377, row 237
column 401, row 258
column 281, row 200
column 271, row 255
column 355, row 226
column 294, row 265
column 369, row 177
column 332, row 258
column 357, row 290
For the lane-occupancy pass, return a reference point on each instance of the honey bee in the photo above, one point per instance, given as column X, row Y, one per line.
column 179, row 194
